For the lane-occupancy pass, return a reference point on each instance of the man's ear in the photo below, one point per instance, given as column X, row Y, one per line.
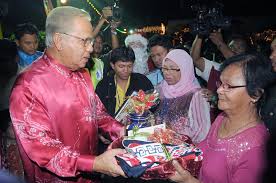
column 112, row 65
column 17, row 42
column 57, row 41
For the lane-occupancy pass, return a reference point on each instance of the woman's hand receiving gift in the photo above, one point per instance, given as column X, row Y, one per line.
column 181, row 175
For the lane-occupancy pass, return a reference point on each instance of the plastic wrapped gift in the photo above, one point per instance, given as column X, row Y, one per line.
column 138, row 120
column 136, row 109
column 152, row 159
column 144, row 133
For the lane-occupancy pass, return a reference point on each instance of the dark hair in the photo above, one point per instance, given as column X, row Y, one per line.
column 100, row 35
column 8, row 64
column 242, row 42
column 106, row 48
column 186, row 48
column 269, row 173
column 25, row 28
column 160, row 40
column 257, row 71
column 124, row 54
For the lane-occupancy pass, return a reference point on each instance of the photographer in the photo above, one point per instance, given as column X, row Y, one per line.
column 99, row 65
column 236, row 46
column 209, row 70
column 208, row 24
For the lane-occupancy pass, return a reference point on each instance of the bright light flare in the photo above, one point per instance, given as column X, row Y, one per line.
column 63, row 1
column 131, row 31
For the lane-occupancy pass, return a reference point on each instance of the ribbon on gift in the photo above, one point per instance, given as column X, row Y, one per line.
column 136, row 133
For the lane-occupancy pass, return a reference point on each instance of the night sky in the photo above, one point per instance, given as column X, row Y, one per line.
column 138, row 13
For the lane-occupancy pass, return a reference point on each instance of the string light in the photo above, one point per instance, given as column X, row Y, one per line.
column 266, row 35
column 156, row 29
column 94, row 8
column 160, row 29
column 131, row 31
column 98, row 12
column 121, row 31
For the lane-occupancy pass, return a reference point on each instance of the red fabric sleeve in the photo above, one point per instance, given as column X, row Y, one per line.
column 32, row 126
column 107, row 124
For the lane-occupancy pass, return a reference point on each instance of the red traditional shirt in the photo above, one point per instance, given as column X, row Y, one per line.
column 56, row 117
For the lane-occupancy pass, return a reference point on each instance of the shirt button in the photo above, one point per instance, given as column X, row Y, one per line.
column 271, row 113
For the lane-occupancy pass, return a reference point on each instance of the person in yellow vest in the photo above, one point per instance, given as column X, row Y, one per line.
column 97, row 64
column 96, row 71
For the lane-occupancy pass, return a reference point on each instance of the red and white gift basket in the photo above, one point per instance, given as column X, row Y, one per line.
column 150, row 152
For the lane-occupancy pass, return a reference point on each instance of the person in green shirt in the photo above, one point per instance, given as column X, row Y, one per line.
column 96, row 72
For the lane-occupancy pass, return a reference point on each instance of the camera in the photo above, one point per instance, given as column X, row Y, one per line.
column 116, row 11
column 209, row 19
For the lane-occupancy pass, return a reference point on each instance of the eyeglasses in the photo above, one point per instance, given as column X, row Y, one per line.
column 226, row 87
column 87, row 42
column 164, row 69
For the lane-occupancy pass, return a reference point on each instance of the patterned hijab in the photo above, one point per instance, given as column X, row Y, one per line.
column 187, row 81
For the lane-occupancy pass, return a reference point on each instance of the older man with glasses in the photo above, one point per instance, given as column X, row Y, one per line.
column 55, row 112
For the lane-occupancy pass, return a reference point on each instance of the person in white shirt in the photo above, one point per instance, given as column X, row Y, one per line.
column 204, row 66
column 159, row 46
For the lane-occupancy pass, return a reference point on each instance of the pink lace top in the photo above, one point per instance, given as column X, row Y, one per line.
column 235, row 159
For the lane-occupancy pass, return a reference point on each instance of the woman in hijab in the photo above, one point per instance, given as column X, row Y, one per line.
column 182, row 106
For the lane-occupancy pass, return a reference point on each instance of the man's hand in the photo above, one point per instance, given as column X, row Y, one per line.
column 207, row 94
column 114, row 25
column 123, row 131
column 107, row 12
column 181, row 175
column 104, row 140
column 216, row 38
column 107, row 164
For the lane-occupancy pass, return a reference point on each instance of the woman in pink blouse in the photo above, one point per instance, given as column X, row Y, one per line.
column 234, row 147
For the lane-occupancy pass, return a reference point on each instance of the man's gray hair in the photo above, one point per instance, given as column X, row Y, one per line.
column 61, row 19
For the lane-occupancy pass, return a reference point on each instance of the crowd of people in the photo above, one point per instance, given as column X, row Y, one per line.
column 59, row 106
